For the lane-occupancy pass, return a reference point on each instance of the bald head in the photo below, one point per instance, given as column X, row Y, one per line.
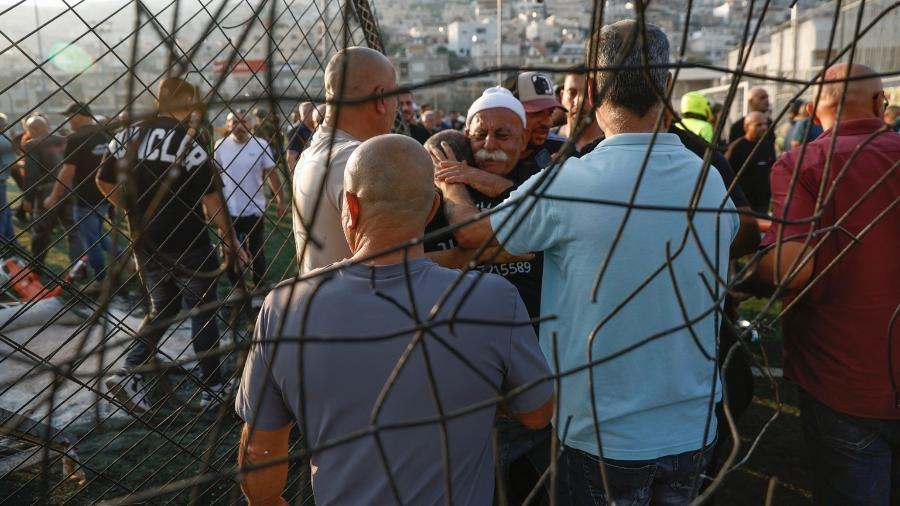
column 755, row 125
column 392, row 176
column 758, row 99
column 306, row 113
column 861, row 90
column 353, row 74
column 358, row 70
column 864, row 94
column 37, row 126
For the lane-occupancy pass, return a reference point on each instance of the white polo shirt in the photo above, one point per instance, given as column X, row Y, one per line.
column 243, row 174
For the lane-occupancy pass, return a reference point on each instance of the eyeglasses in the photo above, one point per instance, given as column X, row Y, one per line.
column 886, row 103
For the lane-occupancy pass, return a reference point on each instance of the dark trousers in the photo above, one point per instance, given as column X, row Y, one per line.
column 172, row 290
column 45, row 220
column 249, row 230
column 524, row 455
column 669, row 480
column 856, row 461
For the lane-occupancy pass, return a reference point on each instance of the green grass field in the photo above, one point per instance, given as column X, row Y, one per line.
column 121, row 455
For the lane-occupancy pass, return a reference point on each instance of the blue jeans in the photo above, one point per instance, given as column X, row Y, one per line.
column 856, row 461
column 6, row 228
column 172, row 290
column 97, row 244
column 669, row 480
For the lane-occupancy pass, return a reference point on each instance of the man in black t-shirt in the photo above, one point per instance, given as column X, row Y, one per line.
column 300, row 134
column 753, row 171
column 81, row 161
column 408, row 111
column 164, row 180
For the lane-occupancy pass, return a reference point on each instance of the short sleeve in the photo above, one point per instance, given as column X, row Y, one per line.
column 335, row 183
column 203, row 179
column 258, row 401
column 526, row 364
column 525, row 223
column 72, row 144
column 266, row 160
column 116, row 149
column 790, row 205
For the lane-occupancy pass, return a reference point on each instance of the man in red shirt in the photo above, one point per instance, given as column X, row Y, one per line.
column 835, row 247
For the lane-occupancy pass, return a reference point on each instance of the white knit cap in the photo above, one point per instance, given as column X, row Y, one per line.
column 493, row 98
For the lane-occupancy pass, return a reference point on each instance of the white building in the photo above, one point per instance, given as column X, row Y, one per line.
column 463, row 35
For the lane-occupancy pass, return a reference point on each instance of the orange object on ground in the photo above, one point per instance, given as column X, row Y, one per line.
column 764, row 225
column 23, row 281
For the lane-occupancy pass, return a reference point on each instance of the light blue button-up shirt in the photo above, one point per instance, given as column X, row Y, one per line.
column 654, row 376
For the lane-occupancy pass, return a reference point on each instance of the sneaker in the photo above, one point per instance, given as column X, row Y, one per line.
column 130, row 390
column 212, row 396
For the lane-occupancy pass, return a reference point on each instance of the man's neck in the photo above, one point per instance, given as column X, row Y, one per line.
column 367, row 251
column 180, row 116
column 374, row 239
column 355, row 125
column 239, row 140
column 626, row 122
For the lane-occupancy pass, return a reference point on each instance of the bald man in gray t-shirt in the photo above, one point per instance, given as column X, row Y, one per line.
column 360, row 375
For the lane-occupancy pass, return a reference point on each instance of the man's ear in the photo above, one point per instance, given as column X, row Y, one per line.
column 435, row 205
column 380, row 103
column 352, row 209
column 811, row 112
column 669, row 82
column 590, row 89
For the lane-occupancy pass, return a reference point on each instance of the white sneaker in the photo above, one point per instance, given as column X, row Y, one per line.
column 214, row 395
column 130, row 390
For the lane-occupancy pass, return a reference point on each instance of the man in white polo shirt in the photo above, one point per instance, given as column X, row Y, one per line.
column 246, row 162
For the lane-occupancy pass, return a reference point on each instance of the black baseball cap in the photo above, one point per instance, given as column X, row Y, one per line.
column 77, row 108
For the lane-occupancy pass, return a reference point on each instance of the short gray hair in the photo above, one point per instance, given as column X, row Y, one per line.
column 630, row 88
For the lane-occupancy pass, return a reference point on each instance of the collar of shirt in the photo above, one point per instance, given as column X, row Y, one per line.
column 339, row 135
column 365, row 270
column 855, row 127
column 641, row 139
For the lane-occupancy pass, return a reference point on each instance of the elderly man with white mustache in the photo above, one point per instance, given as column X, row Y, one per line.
column 495, row 127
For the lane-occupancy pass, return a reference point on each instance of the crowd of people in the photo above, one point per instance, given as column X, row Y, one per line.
column 528, row 269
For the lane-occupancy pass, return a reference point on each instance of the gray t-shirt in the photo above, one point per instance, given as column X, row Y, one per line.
column 357, row 322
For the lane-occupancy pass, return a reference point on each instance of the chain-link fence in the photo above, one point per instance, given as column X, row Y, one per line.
column 105, row 253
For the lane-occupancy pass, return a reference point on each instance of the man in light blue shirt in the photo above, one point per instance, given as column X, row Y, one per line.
column 636, row 294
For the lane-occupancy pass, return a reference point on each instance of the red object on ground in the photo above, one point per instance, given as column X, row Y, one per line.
column 23, row 281
column 27, row 284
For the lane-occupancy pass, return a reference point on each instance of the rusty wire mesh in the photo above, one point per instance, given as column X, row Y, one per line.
column 66, row 439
